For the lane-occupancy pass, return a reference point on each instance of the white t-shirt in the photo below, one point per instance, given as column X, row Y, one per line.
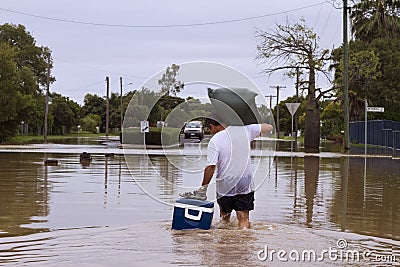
column 229, row 150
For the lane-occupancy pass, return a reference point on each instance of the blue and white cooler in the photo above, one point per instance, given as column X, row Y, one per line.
column 192, row 214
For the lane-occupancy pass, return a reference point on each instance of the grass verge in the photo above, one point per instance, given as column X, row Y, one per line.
column 25, row 139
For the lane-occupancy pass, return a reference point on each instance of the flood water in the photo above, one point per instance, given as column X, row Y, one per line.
column 98, row 214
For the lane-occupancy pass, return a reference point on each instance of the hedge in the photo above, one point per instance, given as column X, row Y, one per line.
column 168, row 136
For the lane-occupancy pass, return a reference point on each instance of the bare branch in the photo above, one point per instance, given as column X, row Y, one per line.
column 323, row 93
column 290, row 46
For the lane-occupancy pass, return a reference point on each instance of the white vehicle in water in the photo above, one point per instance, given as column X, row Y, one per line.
column 194, row 129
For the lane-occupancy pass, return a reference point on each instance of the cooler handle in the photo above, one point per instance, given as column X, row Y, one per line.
column 193, row 217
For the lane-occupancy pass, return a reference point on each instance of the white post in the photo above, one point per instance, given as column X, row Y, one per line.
column 291, row 141
column 292, row 107
column 365, row 127
column 144, row 128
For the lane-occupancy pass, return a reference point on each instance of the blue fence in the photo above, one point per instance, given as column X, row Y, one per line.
column 384, row 133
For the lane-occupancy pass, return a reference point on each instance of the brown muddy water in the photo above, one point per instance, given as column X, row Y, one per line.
column 99, row 215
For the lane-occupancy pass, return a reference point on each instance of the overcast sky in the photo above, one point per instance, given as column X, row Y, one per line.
column 93, row 39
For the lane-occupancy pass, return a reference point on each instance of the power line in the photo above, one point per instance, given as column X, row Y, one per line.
column 160, row 26
column 319, row 12
column 326, row 22
column 335, row 3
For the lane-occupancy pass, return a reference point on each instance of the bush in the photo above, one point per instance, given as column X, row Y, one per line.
column 90, row 121
column 157, row 136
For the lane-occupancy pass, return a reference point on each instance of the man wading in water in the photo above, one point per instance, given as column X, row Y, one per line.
column 228, row 153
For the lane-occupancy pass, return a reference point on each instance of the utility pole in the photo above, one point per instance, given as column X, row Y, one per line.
column 346, row 79
column 107, row 103
column 296, row 124
column 270, row 103
column 270, row 100
column 277, row 106
column 46, row 114
column 120, row 83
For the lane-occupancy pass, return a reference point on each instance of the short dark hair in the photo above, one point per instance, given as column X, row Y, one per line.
column 213, row 122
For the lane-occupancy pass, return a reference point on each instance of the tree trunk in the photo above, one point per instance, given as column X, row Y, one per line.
column 312, row 121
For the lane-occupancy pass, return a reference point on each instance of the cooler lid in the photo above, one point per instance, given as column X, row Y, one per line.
column 196, row 202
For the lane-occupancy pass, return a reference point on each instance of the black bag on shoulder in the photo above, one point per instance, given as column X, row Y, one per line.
column 235, row 106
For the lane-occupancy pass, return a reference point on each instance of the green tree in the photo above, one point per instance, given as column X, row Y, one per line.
column 115, row 111
column 163, row 107
column 94, row 104
column 28, row 54
column 374, row 19
column 364, row 69
column 177, row 118
column 135, row 114
column 385, row 90
column 65, row 113
column 332, row 120
column 265, row 113
column 285, row 118
column 293, row 46
column 32, row 108
column 90, row 122
column 373, row 75
column 168, row 82
column 195, row 108
column 8, row 96
column 24, row 69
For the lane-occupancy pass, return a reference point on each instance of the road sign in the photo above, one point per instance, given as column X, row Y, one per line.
column 375, row 109
column 292, row 107
column 369, row 109
column 144, row 126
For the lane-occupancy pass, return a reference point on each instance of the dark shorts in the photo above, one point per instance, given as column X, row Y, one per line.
column 238, row 203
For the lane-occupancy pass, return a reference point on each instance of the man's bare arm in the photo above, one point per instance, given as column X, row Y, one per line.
column 208, row 174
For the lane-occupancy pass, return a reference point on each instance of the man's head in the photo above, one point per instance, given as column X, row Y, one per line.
column 214, row 125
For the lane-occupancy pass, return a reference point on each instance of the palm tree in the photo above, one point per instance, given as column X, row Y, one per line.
column 372, row 19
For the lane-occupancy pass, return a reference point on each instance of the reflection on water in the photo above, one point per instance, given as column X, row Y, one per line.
column 325, row 146
column 24, row 195
column 373, row 199
column 72, row 213
column 311, row 174
column 335, row 193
